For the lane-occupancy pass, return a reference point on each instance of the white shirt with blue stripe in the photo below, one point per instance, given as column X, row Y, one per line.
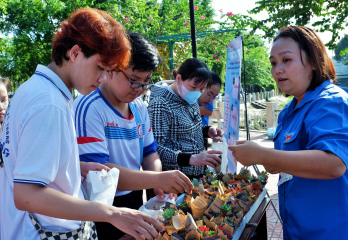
column 39, row 147
column 105, row 136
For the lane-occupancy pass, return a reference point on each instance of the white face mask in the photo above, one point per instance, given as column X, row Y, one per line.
column 189, row 96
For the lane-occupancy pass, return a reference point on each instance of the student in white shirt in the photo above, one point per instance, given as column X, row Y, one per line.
column 41, row 172
column 113, row 128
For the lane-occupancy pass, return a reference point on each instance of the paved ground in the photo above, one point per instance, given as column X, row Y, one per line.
column 274, row 227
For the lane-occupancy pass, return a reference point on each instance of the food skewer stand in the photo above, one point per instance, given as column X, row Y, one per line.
column 254, row 221
column 228, row 207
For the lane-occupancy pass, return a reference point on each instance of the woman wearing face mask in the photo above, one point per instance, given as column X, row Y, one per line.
column 176, row 121
column 5, row 86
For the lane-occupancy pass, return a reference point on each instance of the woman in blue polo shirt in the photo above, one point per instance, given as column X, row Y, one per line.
column 310, row 142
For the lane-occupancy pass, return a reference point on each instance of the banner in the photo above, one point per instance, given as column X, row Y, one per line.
column 232, row 97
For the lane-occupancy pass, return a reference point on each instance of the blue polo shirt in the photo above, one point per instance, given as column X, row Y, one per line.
column 205, row 119
column 315, row 209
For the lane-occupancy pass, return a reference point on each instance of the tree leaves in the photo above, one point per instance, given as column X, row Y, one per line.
column 27, row 28
column 331, row 14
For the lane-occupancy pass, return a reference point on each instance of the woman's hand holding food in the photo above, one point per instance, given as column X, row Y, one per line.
column 206, row 158
column 247, row 153
column 215, row 132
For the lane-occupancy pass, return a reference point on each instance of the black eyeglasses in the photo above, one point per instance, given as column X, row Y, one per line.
column 136, row 85
column 210, row 96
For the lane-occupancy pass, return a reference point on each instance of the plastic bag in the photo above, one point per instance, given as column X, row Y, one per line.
column 221, row 146
column 270, row 132
column 100, row 186
column 154, row 207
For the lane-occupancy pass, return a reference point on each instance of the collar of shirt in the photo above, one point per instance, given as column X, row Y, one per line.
column 309, row 96
column 55, row 79
column 173, row 94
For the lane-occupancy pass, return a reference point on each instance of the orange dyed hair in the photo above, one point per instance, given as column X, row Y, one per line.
column 95, row 32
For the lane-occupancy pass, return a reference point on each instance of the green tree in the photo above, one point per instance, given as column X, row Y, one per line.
column 257, row 64
column 257, row 68
column 27, row 28
column 170, row 17
column 328, row 15
column 340, row 53
column 212, row 50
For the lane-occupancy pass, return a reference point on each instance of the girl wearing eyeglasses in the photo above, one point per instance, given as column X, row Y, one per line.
column 206, row 100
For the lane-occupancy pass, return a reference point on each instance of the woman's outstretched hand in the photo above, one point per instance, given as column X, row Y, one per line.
column 247, row 153
column 206, row 158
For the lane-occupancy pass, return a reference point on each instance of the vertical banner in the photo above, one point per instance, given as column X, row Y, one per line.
column 232, row 98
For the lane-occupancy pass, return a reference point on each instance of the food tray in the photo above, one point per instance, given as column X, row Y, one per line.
column 238, row 232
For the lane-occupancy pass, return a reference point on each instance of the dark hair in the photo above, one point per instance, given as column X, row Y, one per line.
column 6, row 82
column 144, row 55
column 308, row 41
column 95, row 32
column 214, row 79
column 193, row 68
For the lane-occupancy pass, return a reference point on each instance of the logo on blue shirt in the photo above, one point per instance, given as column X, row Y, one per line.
column 288, row 136
column 140, row 130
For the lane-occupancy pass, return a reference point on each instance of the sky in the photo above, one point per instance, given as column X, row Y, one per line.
column 242, row 6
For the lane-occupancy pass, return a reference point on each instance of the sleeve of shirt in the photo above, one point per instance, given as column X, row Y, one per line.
column 210, row 106
column 150, row 144
column 160, row 118
column 327, row 126
column 92, row 143
column 205, row 130
column 45, row 143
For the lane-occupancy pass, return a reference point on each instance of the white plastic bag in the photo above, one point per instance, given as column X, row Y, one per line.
column 221, row 146
column 100, row 186
column 154, row 207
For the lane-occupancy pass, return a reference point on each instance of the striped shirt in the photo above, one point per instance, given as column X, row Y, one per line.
column 105, row 136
